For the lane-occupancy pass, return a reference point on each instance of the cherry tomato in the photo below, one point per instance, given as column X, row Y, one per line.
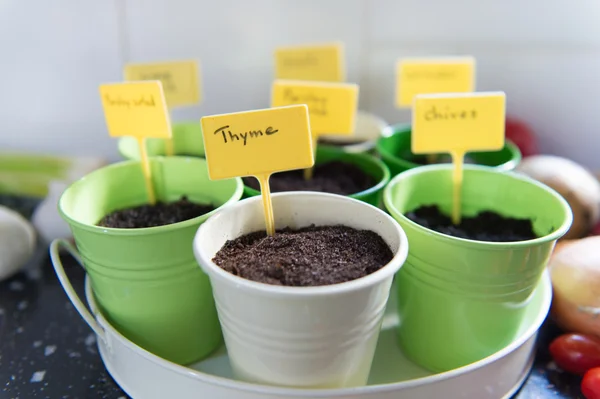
column 576, row 353
column 522, row 135
column 590, row 385
column 596, row 230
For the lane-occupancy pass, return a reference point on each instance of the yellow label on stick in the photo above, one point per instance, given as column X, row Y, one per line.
column 425, row 76
column 331, row 106
column 137, row 109
column 457, row 123
column 323, row 63
column 258, row 143
column 180, row 80
column 467, row 121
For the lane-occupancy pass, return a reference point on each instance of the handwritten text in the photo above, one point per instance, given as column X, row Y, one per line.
column 243, row 136
column 431, row 75
column 142, row 101
column 165, row 77
column 305, row 60
column 433, row 114
column 316, row 105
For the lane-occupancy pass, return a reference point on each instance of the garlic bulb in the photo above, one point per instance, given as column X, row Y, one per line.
column 17, row 242
column 46, row 219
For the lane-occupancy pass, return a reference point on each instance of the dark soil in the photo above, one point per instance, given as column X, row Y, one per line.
column 485, row 226
column 440, row 158
column 159, row 214
column 330, row 177
column 335, row 143
column 309, row 256
column 183, row 154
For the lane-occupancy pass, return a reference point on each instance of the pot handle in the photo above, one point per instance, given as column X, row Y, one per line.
column 66, row 284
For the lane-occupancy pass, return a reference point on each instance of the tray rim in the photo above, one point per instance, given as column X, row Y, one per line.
column 544, row 285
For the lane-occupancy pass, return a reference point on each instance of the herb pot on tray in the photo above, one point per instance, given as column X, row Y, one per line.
column 395, row 151
column 310, row 337
column 146, row 280
column 460, row 299
column 368, row 129
column 187, row 141
column 368, row 165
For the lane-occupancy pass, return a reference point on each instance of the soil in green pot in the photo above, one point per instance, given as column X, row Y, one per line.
column 485, row 226
column 183, row 154
column 436, row 159
column 340, row 143
column 310, row 256
column 159, row 214
column 334, row 177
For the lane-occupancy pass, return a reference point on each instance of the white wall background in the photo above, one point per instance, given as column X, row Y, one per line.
column 545, row 54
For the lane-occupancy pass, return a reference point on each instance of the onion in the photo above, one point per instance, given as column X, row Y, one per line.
column 575, row 271
column 575, row 183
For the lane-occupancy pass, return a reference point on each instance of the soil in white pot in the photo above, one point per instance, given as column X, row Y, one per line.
column 310, row 256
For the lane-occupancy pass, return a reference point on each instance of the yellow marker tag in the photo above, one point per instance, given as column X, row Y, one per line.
column 180, row 80
column 258, row 143
column 428, row 76
column 331, row 106
column 323, row 63
column 458, row 123
column 137, row 109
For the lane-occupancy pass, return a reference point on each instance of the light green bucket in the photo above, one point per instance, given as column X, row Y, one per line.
column 187, row 140
column 146, row 281
column 367, row 163
column 462, row 300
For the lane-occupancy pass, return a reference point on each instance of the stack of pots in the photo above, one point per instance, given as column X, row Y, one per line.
column 459, row 300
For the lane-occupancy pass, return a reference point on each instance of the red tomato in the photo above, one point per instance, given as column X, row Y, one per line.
column 596, row 230
column 590, row 385
column 576, row 353
column 522, row 135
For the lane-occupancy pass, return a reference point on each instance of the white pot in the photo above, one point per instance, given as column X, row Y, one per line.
column 368, row 128
column 309, row 337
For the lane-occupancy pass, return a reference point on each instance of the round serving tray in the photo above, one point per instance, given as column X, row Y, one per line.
column 146, row 376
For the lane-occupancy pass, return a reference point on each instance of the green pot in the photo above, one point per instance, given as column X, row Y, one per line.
column 146, row 281
column 187, row 140
column 395, row 150
column 367, row 163
column 462, row 300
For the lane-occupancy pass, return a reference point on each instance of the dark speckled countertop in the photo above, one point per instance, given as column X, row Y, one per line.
column 47, row 350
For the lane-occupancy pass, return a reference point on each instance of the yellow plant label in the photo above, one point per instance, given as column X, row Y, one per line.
column 323, row 63
column 135, row 109
column 463, row 121
column 257, row 142
column 457, row 123
column 180, row 80
column 331, row 106
column 428, row 76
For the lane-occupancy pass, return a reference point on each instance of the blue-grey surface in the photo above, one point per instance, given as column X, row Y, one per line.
column 47, row 350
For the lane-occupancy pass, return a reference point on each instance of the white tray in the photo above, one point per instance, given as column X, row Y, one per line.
column 146, row 376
